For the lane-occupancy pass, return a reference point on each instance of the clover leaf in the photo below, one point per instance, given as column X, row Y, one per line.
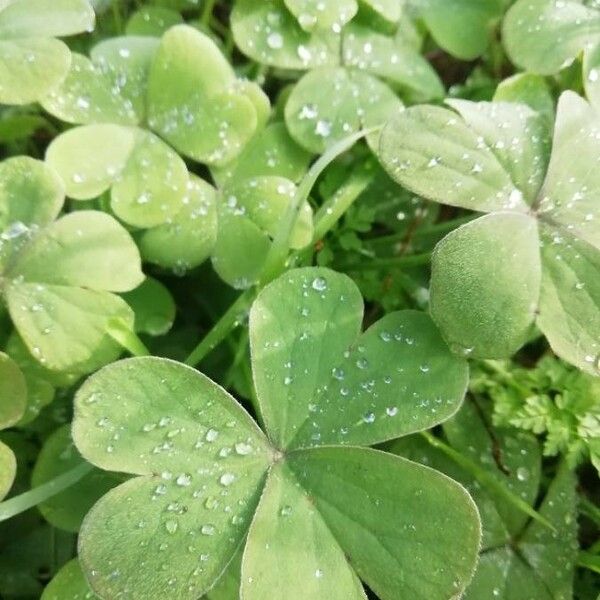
column 61, row 312
column 535, row 256
column 33, row 62
column 209, row 481
column 13, row 400
column 519, row 558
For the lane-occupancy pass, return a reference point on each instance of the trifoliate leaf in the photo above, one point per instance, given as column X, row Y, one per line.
column 205, row 471
column 193, row 101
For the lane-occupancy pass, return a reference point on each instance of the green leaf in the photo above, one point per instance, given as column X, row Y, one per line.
column 322, row 14
column 152, row 21
column 435, row 154
column 389, row 10
column 485, row 284
column 69, row 582
column 358, row 492
column 30, row 68
column 193, row 101
column 67, row 509
column 86, row 249
column 544, row 36
column 392, row 59
column 327, row 105
column 188, row 238
column 319, row 382
column 8, row 469
column 250, row 212
column 30, row 193
column 527, row 88
column 45, row 18
column 463, row 27
column 268, row 33
column 148, row 179
column 201, row 461
column 153, row 306
column 13, row 392
column 288, row 531
column 270, row 152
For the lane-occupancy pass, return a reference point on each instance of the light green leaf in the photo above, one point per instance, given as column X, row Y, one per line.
column 84, row 248
column 153, row 306
column 149, row 180
column 390, row 10
column 270, row 152
column 322, row 14
column 570, row 298
column 393, row 59
column 461, row 27
column 8, row 469
column 518, row 137
column 65, row 327
column 527, row 88
column 435, row 154
column 568, row 199
column 250, row 212
column 485, row 284
column 544, row 36
column 13, row 392
column 30, row 193
column 319, row 382
column 198, row 453
column 69, row 582
column 193, row 101
column 67, row 509
column 152, row 21
column 30, row 68
column 358, row 492
column 45, row 18
column 290, row 551
column 188, row 238
column 327, row 105
column 268, row 33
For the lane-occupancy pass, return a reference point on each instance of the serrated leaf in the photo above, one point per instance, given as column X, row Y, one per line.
column 188, row 453
column 67, row 509
column 193, row 101
column 487, row 316
column 327, row 105
column 187, row 239
column 268, row 33
column 334, row 386
column 543, row 36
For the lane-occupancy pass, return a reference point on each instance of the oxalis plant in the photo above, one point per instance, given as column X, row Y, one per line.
column 298, row 299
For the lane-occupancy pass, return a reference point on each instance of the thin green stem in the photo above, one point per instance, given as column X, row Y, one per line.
column 589, row 509
column 232, row 317
column 589, row 561
column 117, row 17
column 498, row 369
column 412, row 260
column 485, row 479
column 276, row 258
column 22, row 502
column 207, row 11
column 120, row 332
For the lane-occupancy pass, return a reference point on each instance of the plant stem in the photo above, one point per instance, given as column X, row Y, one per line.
column 125, row 337
column 508, row 378
column 276, row 258
column 117, row 18
column 589, row 561
column 207, row 11
column 412, row 260
column 589, row 509
column 222, row 328
column 18, row 504
column 485, row 479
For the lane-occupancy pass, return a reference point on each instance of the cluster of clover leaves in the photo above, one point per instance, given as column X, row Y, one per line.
column 175, row 490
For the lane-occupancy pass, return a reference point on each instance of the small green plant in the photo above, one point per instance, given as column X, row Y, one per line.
column 299, row 299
